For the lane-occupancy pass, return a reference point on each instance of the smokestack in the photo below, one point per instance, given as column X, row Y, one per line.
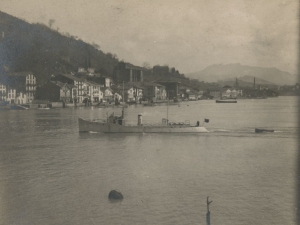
column 236, row 83
column 254, row 83
column 140, row 120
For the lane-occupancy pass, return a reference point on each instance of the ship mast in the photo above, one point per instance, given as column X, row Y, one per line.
column 123, row 93
column 123, row 103
column 168, row 108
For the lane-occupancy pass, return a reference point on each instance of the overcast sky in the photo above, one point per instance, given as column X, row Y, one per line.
column 189, row 35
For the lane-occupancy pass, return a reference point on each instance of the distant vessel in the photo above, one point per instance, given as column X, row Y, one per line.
column 260, row 130
column 18, row 107
column 226, row 101
column 43, row 107
column 149, row 104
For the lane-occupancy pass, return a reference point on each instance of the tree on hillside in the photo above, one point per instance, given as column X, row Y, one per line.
column 146, row 65
column 96, row 46
column 51, row 22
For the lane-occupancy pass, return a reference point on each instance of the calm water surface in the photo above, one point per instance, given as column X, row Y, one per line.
column 51, row 174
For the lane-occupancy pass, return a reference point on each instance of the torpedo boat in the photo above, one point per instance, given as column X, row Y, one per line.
column 116, row 124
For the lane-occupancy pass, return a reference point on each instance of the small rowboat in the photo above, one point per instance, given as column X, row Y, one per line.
column 259, row 130
column 226, row 101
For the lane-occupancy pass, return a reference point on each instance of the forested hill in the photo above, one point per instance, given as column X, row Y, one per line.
column 44, row 51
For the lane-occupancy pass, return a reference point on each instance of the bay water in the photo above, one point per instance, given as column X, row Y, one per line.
column 52, row 174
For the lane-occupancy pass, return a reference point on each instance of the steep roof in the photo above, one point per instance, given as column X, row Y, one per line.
column 105, row 88
column 92, row 83
column 151, row 84
column 167, row 80
column 15, row 80
column 72, row 77
column 130, row 66
column 127, row 86
column 61, row 84
column 19, row 74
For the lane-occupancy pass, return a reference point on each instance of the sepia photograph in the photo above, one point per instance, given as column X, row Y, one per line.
column 149, row 112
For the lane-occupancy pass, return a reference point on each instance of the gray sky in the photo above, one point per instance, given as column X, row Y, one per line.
column 189, row 35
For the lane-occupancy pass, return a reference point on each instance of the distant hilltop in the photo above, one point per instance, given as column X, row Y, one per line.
column 222, row 72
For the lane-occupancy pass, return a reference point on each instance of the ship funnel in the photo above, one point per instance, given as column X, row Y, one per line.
column 140, row 120
column 164, row 121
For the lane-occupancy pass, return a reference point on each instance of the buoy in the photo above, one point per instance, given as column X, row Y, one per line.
column 115, row 195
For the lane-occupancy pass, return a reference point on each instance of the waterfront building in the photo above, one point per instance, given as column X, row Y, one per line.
column 117, row 97
column 92, row 92
column 192, row 95
column 200, row 94
column 187, row 93
column 89, row 89
column 108, row 95
column 154, row 92
column 2, row 92
column 132, row 92
column 126, row 72
column 91, row 85
column 172, row 88
column 56, row 91
column 103, row 81
column 215, row 92
column 231, row 93
column 18, row 88
column 76, row 81
column 239, row 93
column 11, row 95
column 89, row 74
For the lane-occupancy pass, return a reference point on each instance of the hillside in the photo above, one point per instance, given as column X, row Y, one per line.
column 43, row 51
column 221, row 72
column 246, row 81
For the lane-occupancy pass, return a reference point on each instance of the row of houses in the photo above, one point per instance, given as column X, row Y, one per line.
column 82, row 87
column 18, row 88
column 88, row 87
column 226, row 92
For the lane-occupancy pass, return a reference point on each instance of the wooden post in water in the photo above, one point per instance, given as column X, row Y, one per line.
column 208, row 212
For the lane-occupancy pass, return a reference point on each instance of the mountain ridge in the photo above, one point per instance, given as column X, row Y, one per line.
column 221, row 72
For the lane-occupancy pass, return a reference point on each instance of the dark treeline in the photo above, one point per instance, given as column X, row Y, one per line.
column 44, row 51
column 171, row 74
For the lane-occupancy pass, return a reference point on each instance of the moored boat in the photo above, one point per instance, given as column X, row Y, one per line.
column 149, row 104
column 226, row 101
column 261, row 130
column 18, row 107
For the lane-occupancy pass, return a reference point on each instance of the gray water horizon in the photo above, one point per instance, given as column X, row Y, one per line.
column 52, row 174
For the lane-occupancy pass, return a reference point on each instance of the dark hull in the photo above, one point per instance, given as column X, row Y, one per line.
column 226, row 101
column 257, row 130
column 104, row 127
